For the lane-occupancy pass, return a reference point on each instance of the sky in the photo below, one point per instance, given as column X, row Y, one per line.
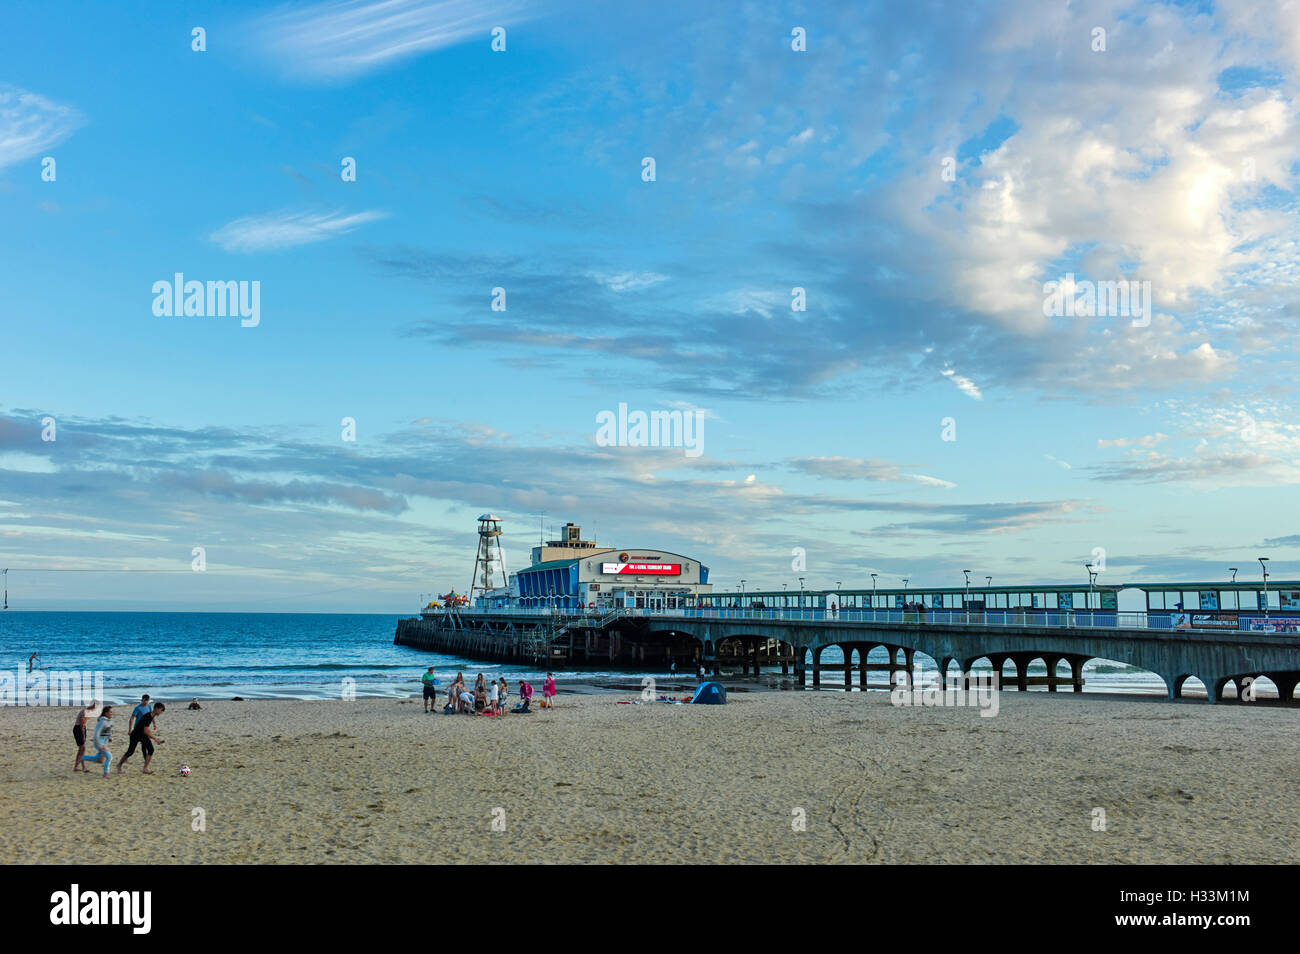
column 825, row 233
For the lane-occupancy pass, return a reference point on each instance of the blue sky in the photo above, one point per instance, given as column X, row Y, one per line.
column 1169, row 157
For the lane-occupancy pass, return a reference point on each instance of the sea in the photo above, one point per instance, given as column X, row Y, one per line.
column 179, row 656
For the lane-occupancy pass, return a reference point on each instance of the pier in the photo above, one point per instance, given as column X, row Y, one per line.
column 796, row 640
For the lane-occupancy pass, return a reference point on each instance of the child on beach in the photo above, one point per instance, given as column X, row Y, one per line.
column 430, row 682
column 143, row 736
column 79, row 734
column 504, row 694
column 494, row 699
column 548, row 692
column 102, row 737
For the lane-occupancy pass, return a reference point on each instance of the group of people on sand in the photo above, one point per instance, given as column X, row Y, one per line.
column 488, row 697
column 141, row 731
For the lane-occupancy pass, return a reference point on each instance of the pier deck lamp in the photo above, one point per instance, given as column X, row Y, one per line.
column 1263, row 566
column 1236, row 593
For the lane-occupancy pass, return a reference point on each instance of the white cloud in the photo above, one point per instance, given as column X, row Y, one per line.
column 30, row 124
column 931, row 481
column 628, row 281
column 346, row 38
column 281, row 230
column 966, row 385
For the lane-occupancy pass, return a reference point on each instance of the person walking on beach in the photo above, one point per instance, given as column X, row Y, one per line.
column 430, row 692
column 79, row 734
column 102, row 737
column 144, row 736
column 143, row 709
column 672, row 667
column 548, row 691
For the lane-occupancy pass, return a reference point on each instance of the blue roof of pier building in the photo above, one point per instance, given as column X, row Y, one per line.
column 552, row 580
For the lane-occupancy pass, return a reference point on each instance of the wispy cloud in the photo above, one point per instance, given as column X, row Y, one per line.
column 30, row 124
column 281, row 230
column 857, row 468
column 966, row 385
column 347, row 38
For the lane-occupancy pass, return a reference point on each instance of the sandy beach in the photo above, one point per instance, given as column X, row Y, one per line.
column 378, row 781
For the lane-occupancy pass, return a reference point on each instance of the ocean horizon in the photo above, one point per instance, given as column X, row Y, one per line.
column 269, row 655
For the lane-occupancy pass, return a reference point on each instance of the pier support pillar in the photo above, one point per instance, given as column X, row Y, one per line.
column 1050, row 662
column 997, row 662
column 1076, row 672
column 848, row 666
column 909, row 661
column 817, row 667
column 1214, row 688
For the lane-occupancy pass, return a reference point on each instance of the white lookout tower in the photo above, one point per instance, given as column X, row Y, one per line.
column 490, row 562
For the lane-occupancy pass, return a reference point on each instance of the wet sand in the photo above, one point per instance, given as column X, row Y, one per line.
column 377, row 781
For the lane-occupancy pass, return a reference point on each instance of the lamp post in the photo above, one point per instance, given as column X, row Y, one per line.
column 965, row 600
column 1092, row 578
column 873, row 592
column 1235, row 592
column 904, row 592
column 801, row 592
column 1262, row 562
column 742, row 594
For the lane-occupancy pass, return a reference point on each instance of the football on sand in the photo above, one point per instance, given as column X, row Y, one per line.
column 185, row 770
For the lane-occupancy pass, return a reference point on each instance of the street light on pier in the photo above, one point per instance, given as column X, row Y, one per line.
column 1236, row 593
column 873, row 591
column 1092, row 579
column 1262, row 562
column 966, row 599
column 742, row 594
column 801, row 592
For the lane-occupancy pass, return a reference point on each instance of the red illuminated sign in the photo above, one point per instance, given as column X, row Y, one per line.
column 642, row 569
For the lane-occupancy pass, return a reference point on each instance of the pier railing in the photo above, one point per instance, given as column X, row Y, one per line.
column 1050, row 619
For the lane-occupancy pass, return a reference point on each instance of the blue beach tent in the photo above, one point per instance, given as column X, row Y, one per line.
column 710, row 694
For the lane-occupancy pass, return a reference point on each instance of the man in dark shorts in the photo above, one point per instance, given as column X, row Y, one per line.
column 143, row 736
column 430, row 693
